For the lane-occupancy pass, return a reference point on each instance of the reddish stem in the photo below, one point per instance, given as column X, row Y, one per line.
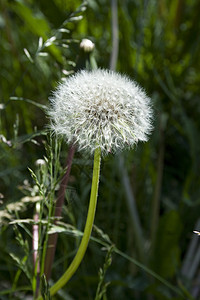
column 58, row 211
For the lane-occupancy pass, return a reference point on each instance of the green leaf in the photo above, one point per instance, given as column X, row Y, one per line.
column 28, row 55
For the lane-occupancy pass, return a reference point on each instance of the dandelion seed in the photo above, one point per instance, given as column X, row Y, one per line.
column 101, row 109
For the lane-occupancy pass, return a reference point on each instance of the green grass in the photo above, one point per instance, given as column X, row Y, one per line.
column 150, row 242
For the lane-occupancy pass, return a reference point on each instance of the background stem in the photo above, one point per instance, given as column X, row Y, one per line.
column 52, row 241
column 158, row 186
column 115, row 35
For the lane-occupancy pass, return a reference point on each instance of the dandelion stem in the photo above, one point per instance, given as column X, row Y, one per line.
column 88, row 228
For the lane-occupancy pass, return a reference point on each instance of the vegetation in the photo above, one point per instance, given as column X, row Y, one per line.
column 142, row 244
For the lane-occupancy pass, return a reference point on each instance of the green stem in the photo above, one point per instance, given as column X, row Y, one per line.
column 88, row 228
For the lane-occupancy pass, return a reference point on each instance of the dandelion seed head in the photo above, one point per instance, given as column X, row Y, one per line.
column 100, row 109
column 40, row 162
column 87, row 45
column 2, row 106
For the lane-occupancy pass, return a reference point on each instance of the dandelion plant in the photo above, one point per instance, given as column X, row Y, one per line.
column 99, row 112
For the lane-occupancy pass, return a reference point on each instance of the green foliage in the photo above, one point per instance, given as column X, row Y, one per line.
column 159, row 46
column 45, row 289
column 102, row 287
column 167, row 245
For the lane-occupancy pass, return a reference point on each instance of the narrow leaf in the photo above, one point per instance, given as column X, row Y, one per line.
column 28, row 55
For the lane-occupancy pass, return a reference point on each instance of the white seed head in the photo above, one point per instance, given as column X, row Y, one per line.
column 40, row 162
column 100, row 108
column 87, row 45
column 2, row 106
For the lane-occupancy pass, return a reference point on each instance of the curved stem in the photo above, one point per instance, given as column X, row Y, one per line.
column 88, row 228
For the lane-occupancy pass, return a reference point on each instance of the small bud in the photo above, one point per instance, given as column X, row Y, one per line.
column 87, row 45
column 40, row 162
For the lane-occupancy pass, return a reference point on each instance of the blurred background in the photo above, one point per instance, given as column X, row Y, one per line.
column 149, row 197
